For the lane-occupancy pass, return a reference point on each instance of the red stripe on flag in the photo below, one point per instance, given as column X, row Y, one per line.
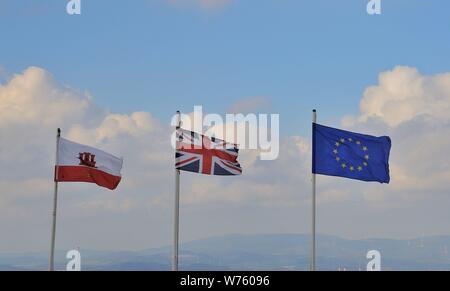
column 232, row 167
column 184, row 162
column 86, row 174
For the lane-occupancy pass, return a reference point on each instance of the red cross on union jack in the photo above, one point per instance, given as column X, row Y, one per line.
column 210, row 156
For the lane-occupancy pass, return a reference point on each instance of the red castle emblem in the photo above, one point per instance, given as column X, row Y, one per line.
column 87, row 159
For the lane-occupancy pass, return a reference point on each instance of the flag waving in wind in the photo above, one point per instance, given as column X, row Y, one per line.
column 351, row 155
column 201, row 154
column 80, row 163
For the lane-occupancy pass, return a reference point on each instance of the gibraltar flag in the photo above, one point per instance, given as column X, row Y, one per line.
column 80, row 163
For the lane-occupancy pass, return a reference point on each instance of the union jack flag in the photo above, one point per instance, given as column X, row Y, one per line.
column 210, row 156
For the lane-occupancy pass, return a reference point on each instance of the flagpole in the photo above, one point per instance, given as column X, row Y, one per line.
column 55, row 203
column 177, row 208
column 313, row 220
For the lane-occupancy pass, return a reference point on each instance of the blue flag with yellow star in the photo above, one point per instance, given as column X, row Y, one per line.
column 351, row 155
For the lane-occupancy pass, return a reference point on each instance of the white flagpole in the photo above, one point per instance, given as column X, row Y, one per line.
column 177, row 209
column 313, row 220
column 55, row 203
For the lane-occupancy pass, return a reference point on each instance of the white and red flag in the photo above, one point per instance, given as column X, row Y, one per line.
column 80, row 163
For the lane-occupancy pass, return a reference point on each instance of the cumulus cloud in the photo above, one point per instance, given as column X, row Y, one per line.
column 404, row 94
column 32, row 106
column 113, row 126
column 411, row 108
column 35, row 97
column 415, row 111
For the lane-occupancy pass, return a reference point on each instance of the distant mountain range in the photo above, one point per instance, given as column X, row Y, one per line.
column 257, row 252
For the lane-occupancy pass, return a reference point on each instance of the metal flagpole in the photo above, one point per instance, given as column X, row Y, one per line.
column 177, row 209
column 55, row 203
column 313, row 220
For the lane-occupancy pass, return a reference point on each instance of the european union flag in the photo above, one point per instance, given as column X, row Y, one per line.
column 351, row 155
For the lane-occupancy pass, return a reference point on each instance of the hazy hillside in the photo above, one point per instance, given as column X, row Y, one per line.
column 258, row 252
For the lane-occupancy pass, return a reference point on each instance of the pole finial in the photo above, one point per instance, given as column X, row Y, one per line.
column 178, row 119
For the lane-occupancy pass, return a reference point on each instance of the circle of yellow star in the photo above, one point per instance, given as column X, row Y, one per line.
column 343, row 163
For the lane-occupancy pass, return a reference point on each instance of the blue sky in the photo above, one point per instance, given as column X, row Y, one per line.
column 152, row 56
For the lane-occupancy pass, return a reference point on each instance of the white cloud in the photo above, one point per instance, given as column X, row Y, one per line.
column 32, row 106
column 268, row 197
column 414, row 110
column 113, row 126
column 34, row 97
column 404, row 94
